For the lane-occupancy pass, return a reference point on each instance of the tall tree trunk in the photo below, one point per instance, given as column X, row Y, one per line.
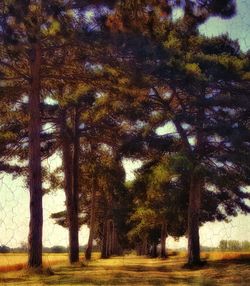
column 88, row 251
column 144, row 247
column 68, row 187
column 163, row 239
column 107, row 239
column 35, row 172
column 138, row 249
column 115, row 243
column 194, row 220
column 153, row 252
column 104, row 253
column 74, row 234
column 114, row 249
column 67, row 167
column 109, row 236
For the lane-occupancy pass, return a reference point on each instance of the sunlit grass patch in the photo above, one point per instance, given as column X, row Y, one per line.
column 217, row 255
column 18, row 261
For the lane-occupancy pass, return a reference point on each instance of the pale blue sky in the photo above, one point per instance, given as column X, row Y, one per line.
column 238, row 27
column 14, row 203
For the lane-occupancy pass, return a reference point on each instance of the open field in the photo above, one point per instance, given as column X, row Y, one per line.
column 17, row 261
column 222, row 269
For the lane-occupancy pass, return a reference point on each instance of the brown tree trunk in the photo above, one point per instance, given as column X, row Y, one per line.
column 194, row 220
column 88, row 251
column 153, row 252
column 107, row 241
column 115, row 244
column 109, row 236
column 35, row 172
column 144, row 247
column 112, row 238
column 138, row 249
column 74, row 234
column 67, row 166
column 163, row 239
column 104, row 253
column 68, row 187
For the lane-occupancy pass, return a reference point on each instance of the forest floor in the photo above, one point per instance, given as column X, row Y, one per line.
column 222, row 269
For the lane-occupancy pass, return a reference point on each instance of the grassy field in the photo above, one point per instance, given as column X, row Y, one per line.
column 222, row 269
column 17, row 261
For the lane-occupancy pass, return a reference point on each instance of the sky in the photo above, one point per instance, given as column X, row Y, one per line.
column 14, row 196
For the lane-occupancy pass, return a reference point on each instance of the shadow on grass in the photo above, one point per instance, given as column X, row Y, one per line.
column 119, row 279
column 11, row 280
column 140, row 272
column 224, row 263
column 125, row 275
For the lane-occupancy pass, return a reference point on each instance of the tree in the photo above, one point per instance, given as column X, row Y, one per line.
column 223, row 245
column 178, row 91
column 14, row 35
column 32, row 41
column 27, row 38
column 70, row 165
column 101, row 200
column 58, row 249
column 4, row 249
column 183, row 94
column 208, row 124
column 160, row 204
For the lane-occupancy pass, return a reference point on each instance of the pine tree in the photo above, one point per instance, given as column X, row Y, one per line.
column 186, row 80
column 33, row 42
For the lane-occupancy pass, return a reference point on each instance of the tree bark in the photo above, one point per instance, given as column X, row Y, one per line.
column 145, row 247
column 107, row 239
column 115, row 243
column 74, row 234
column 163, row 239
column 109, row 236
column 35, row 171
column 104, row 253
column 88, row 251
column 153, row 252
column 138, row 249
column 194, row 220
column 68, row 187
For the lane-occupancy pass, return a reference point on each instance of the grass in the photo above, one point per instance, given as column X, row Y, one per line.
column 18, row 261
column 222, row 269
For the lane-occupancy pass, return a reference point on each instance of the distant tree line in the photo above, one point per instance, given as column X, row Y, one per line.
column 4, row 249
column 52, row 249
column 234, row 245
column 224, row 245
